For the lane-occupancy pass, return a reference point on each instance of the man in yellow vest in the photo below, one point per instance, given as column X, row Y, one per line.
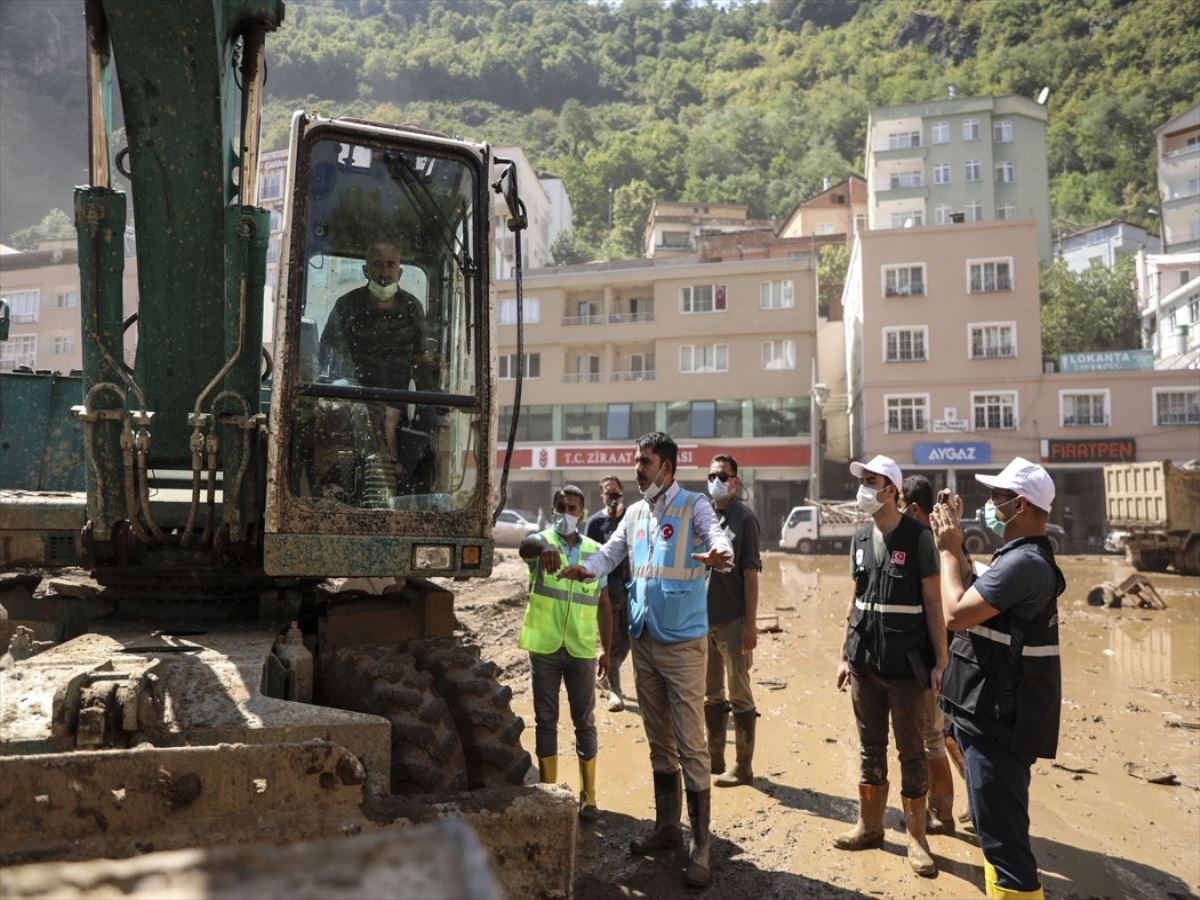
column 559, row 632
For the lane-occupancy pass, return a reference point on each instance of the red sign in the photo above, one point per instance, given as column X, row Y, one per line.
column 573, row 456
column 1106, row 450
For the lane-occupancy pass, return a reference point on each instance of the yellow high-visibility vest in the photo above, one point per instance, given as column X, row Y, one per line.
column 561, row 612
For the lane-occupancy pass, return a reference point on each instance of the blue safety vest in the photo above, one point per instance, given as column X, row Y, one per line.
column 669, row 591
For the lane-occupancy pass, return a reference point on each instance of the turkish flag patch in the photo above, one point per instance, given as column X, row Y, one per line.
column 898, row 557
column 667, row 531
column 641, row 534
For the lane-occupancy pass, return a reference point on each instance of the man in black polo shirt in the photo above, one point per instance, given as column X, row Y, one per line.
column 732, row 631
column 600, row 526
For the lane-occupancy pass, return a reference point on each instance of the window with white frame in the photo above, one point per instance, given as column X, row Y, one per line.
column 993, row 340
column 1005, row 211
column 941, row 215
column 1004, row 172
column 695, row 359
column 272, row 186
column 532, row 311
column 779, row 354
column 914, row 218
column 986, row 275
column 900, row 180
column 777, row 294
column 904, row 281
column 63, row 344
column 824, row 228
column 902, row 140
column 1002, row 131
column 508, row 365
column 67, row 300
column 970, row 129
column 906, row 343
column 1080, row 409
column 940, row 133
column 972, row 170
column 18, row 350
column 22, row 306
column 941, row 173
column 702, row 298
column 994, row 411
column 1177, row 406
column 907, row 412
column 973, row 211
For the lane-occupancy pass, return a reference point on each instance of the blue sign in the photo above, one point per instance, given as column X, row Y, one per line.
column 953, row 454
column 1106, row 361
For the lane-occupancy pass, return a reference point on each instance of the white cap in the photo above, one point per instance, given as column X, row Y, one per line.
column 1025, row 479
column 880, row 465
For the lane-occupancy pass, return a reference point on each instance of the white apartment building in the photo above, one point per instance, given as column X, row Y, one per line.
column 1104, row 244
column 1169, row 303
column 536, row 239
column 1178, row 143
column 561, row 215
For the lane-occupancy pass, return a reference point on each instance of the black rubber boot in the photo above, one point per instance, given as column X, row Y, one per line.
column 743, row 768
column 668, row 807
column 699, row 804
column 716, row 721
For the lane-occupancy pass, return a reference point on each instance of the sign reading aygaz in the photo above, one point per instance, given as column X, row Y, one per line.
column 926, row 454
column 1107, row 450
column 1106, row 361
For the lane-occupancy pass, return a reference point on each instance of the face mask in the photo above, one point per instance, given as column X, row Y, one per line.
column 990, row 519
column 718, row 489
column 868, row 500
column 382, row 291
column 565, row 524
column 653, row 489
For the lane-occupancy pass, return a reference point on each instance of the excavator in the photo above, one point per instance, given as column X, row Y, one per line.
column 232, row 673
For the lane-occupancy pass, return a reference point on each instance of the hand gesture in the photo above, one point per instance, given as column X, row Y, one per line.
column 550, row 560
column 721, row 560
column 576, row 573
column 947, row 532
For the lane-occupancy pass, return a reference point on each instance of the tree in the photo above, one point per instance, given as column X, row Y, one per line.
column 832, row 263
column 56, row 225
column 1092, row 310
column 567, row 251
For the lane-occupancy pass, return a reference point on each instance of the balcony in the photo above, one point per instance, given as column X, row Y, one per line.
column 585, row 320
column 632, row 375
column 583, row 377
column 1181, row 156
column 621, row 318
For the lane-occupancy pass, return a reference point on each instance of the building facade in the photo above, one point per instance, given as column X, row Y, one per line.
column 536, row 238
column 945, row 372
column 720, row 355
column 675, row 230
column 561, row 216
column 1169, row 304
column 837, row 209
column 1104, row 244
column 1178, row 144
column 983, row 158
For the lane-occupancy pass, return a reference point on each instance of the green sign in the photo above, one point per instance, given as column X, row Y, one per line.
column 1106, row 361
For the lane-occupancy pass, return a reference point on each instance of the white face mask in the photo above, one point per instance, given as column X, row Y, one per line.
column 382, row 291
column 868, row 499
column 653, row 489
column 566, row 524
column 718, row 489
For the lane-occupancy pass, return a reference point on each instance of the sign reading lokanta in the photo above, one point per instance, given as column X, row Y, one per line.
column 1106, row 361
column 952, row 454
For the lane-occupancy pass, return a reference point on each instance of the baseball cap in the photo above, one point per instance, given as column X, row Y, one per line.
column 880, row 465
column 1026, row 479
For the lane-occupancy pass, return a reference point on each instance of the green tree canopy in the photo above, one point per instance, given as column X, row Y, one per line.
column 1095, row 309
column 56, row 225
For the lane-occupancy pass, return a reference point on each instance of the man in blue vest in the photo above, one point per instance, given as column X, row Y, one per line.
column 560, row 631
column 671, row 536
column 1002, row 691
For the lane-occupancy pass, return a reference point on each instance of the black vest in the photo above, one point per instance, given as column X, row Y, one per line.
column 1010, row 657
column 888, row 621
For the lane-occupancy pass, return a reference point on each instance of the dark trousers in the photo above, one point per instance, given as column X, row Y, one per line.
column 549, row 671
column 874, row 698
column 998, row 800
column 620, row 641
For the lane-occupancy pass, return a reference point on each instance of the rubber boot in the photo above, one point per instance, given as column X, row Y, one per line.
column 941, row 797
column 716, row 722
column 996, row 892
column 743, row 769
column 548, row 769
column 918, row 848
column 668, row 807
column 699, row 804
column 868, row 832
column 587, row 791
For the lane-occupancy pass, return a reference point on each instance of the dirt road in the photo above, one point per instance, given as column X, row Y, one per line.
column 1131, row 694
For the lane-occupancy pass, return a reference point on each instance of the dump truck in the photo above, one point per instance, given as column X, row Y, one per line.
column 1157, row 505
column 250, row 647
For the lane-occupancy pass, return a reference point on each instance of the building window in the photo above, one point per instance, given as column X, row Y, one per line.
column 584, row 421
column 587, row 370
column 902, row 140
column 779, row 354
column 1077, row 409
column 18, row 350
column 695, row 359
column 986, row 275
column 532, row 311
column 993, row 340
column 940, row 132
column 907, row 412
column 1005, row 211
column 272, row 252
column 626, row 421
column 536, row 423
column 941, row 173
column 995, row 411
column 276, row 221
column 508, row 366
column 704, row 418
column 825, row 228
column 63, row 344
column 941, row 215
column 914, row 218
column 1177, row 406
column 970, row 129
column 67, row 300
column 901, row 180
column 974, row 211
column 1004, row 173
column 785, row 417
column 676, row 240
column 777, row 294
column 702, row 298
column 972, row 170
column 906, row 344
column 1002, row 131
column 22, row 306
column 271, row 186
column 904, row 281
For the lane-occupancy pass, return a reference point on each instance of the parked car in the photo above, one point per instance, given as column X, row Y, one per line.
column 978, row 538
column 514, row 526
column 1114, row 540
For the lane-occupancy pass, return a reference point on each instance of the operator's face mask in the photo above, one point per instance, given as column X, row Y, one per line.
column 566, row 524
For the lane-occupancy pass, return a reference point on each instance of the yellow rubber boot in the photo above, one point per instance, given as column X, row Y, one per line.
column 996, row 892
column 548, row 769
column 587, row 790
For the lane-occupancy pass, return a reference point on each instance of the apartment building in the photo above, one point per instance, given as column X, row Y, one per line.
column 720, row 354
column 838, row 209
column 945, row 372
column 1169, row 304
column 536, row 238
column 1104, row 244
column 1178, row 143
column 675, row 229
column 981, row 158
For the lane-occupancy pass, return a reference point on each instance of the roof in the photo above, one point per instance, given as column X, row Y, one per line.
column 1100, row 225
column 1192, row 113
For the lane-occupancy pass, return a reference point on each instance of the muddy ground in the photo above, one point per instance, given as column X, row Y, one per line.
column 1131, row 694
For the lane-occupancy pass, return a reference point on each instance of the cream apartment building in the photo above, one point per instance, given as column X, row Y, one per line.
column 719, row 354
column 945, row 372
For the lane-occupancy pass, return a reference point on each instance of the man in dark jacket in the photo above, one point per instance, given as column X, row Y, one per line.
column 600, row 526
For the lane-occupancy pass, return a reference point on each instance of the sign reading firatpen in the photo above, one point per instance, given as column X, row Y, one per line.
column 1106, row 361
column 952, row 454
column 1103, row 450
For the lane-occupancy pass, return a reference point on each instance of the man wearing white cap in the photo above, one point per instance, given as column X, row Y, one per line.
column 1003, row 688
column 894, row 653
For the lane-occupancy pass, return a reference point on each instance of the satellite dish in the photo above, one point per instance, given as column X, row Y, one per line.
column 1042, row 95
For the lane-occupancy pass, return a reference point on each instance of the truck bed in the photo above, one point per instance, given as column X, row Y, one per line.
column 1156, row 495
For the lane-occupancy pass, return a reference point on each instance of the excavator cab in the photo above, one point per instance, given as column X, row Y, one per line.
column 382, row 411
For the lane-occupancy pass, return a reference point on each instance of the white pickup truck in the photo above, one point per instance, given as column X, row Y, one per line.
column 821, row 526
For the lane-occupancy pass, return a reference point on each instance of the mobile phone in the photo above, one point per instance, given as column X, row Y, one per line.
column 945, row 496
